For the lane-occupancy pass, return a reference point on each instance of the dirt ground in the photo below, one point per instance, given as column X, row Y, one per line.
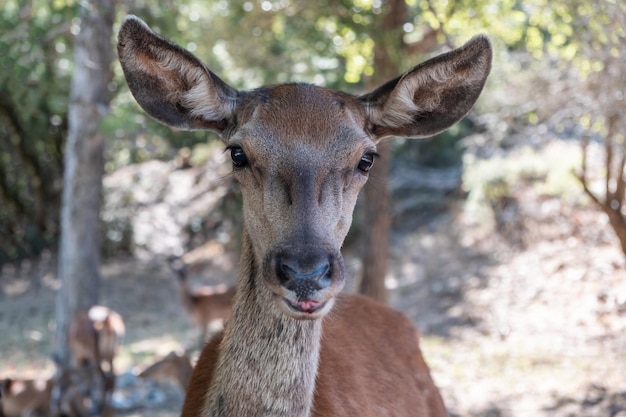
column 530, row 327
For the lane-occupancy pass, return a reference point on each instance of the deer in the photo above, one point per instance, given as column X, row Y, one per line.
column 25, row 397
column 208, row 306
column 41, row 397
column 296, row 345
column 94, row 337
column 174, row 366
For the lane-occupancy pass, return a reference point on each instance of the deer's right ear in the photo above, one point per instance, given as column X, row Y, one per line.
column 170, row 83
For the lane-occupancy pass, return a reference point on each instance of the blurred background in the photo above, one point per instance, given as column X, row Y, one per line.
column 505, row 236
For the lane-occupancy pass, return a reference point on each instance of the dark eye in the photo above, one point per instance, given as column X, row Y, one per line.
column 238, row 156
column 366, row 162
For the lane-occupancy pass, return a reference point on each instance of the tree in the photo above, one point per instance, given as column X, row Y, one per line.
column 377, row 195
column 36, row 67
column 90, row 95
column 389, row 46
column 602, row 60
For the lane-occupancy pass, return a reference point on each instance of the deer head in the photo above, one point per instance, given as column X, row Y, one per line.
column 300, row 152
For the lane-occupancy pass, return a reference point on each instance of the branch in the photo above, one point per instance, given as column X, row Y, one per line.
column 589, row 192
column 582, row 176
column 584, row 146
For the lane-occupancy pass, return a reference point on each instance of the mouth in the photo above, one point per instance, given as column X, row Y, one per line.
column 306, row 307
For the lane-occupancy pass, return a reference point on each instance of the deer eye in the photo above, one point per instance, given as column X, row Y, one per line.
column 366, row 162
column 238, row 156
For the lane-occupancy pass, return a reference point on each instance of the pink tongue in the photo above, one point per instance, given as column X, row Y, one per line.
column 308, row 306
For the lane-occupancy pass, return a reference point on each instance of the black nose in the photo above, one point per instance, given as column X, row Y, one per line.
column 304, row 272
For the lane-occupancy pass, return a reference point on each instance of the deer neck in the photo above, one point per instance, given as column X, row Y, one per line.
column 268, row 361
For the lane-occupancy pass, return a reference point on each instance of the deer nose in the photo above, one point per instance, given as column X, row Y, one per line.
column 304, row 273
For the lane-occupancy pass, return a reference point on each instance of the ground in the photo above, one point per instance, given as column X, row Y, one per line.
column 526, row 323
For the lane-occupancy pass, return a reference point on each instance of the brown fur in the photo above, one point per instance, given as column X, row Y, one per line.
column 25, row 397
column 301, row 155
column 357, row 325
column 34, row 397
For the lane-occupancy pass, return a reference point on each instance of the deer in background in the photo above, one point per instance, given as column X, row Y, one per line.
column 25, row 397
column 42, row 397
column 174, row 366
column 208, row 306
column 94, row 337
column 294, row 346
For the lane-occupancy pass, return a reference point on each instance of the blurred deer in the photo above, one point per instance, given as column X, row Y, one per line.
column 94, row 337
column 25, row 397
column 208, row 306
column 174, row 366
column 63, row 395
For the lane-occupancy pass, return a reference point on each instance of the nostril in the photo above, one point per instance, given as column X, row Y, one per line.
column 291, row 272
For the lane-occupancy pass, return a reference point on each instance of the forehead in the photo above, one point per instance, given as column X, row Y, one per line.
column 297, row 115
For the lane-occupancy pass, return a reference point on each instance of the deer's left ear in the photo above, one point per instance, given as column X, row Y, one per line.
column 432, row 96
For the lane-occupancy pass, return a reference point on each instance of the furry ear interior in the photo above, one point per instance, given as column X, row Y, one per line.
column 170, row 83
column 432, row 96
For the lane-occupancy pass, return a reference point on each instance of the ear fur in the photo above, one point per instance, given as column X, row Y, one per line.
column 432, row 96
column 170, row 83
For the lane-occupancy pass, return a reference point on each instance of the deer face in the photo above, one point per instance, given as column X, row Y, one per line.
column 301, row 156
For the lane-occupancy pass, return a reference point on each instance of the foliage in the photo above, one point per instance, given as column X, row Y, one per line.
column 36, row 58
column 35, row 47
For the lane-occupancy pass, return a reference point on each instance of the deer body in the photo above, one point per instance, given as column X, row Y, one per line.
column 32, row 397
column 94, row 337
column 293, row 347
column 173, row 366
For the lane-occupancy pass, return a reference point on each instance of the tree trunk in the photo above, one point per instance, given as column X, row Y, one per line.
column 376, row 202
column 79, row 252
column 377, row 195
